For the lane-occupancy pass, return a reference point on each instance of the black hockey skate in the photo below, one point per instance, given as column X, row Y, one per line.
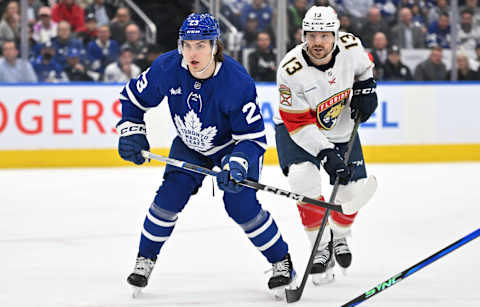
column 283, row 276
column 141, row 273
column 323, row 264
column 342, row 253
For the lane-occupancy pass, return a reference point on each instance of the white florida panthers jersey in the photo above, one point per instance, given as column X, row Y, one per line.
column 315, row 100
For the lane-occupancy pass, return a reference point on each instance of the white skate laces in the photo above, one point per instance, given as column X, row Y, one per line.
column 340, row 246
column 322, row 256
column 143, row 266
column 281, row 268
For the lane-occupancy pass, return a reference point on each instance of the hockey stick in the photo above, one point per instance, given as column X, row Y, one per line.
column 294, row 295
column 346, row 208
column 399, row 277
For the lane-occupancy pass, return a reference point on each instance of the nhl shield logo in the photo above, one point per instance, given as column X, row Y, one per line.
column 329, row 109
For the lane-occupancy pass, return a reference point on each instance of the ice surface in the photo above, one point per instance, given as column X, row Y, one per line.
column 69, row 237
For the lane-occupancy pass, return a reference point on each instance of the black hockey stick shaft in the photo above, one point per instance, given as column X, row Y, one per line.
column 414, row 268
column 246, row 183
column 294, row 295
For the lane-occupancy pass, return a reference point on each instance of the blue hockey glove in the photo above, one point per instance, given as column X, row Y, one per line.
column 133, row 139
column 334, row 165
column 234, row 168
column 364, row 100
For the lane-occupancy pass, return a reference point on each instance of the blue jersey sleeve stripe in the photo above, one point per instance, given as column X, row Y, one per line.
column 248, row 136
column 133, row 99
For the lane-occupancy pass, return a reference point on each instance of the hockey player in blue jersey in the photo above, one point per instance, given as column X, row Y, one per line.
column 212, row 102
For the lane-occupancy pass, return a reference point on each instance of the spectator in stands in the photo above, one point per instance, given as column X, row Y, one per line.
column 464, row 73
column 468, row 34
column 45, row 29
column 250, row 32
column 46, row 68
column 432, row 69
column 13, row 69
column 103, row 12
column 33, row 6
column 261, row 10
column 439, row 32
column 472, row 5
column 119, row 23
column 135, row 42
column 295, row 14
column 75, row 70
column 10, row 23
column 346, row 25
column 231, row 9
column 71, row 12
column 441, row 8
column 394, row 69
column 407, row 35
column 90, row 31
column 374, row 24
column 262, row 62
column 102, row 51
column 153, row 52
column 64, row 41
column 418, row 17
column 477, row 53
column 379, row 53
column 358, row 10
column 122, row 70
column 388, row 9
column 297, row 39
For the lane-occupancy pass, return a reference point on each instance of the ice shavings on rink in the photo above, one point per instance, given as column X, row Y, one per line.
column 69, row 237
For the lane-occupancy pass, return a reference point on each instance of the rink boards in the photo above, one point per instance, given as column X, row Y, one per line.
column 73, row 125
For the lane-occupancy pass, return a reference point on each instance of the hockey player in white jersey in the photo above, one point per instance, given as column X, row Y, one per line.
column 324, row 83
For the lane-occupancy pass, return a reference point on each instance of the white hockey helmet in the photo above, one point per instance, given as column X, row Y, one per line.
column 321, row 19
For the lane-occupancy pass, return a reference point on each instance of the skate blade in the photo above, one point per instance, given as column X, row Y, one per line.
column 279, row 292
column 136, row 291
column 344, row 271
column 323, row 278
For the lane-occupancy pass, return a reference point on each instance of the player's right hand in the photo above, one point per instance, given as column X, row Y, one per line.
column 334, row 165
column 133, row 139
column 234, row 168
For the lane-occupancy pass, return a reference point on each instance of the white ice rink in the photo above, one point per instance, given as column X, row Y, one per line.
column 69, row 237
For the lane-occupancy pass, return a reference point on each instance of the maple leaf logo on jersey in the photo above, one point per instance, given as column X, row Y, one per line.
column 192, row 134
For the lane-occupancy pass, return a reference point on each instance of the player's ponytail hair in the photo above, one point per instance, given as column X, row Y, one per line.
column 219, row 54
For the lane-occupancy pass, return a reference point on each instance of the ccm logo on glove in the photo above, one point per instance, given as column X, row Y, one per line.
column 129, row 128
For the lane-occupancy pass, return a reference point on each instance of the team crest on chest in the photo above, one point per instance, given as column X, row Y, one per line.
column 191, row 132
column 329, row 109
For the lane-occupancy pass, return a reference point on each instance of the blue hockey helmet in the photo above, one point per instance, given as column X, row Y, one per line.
column 199, row 27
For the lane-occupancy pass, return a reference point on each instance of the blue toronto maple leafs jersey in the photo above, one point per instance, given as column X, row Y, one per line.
column 209, row 114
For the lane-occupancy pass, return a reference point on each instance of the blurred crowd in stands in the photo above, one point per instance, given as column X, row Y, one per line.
column 98, row 40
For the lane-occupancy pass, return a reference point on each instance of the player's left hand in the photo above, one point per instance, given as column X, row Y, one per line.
column 234, row 168
column 364, row 100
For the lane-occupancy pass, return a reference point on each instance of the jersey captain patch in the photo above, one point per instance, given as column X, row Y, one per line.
column 285, row 95
column 329, row 109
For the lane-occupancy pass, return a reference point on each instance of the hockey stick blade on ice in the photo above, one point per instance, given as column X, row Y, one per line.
column 399, row 277
column 347, row 208
column 294, row 295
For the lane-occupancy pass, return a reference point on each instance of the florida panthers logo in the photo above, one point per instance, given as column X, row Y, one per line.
column 329, row 110
column 192, row 134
